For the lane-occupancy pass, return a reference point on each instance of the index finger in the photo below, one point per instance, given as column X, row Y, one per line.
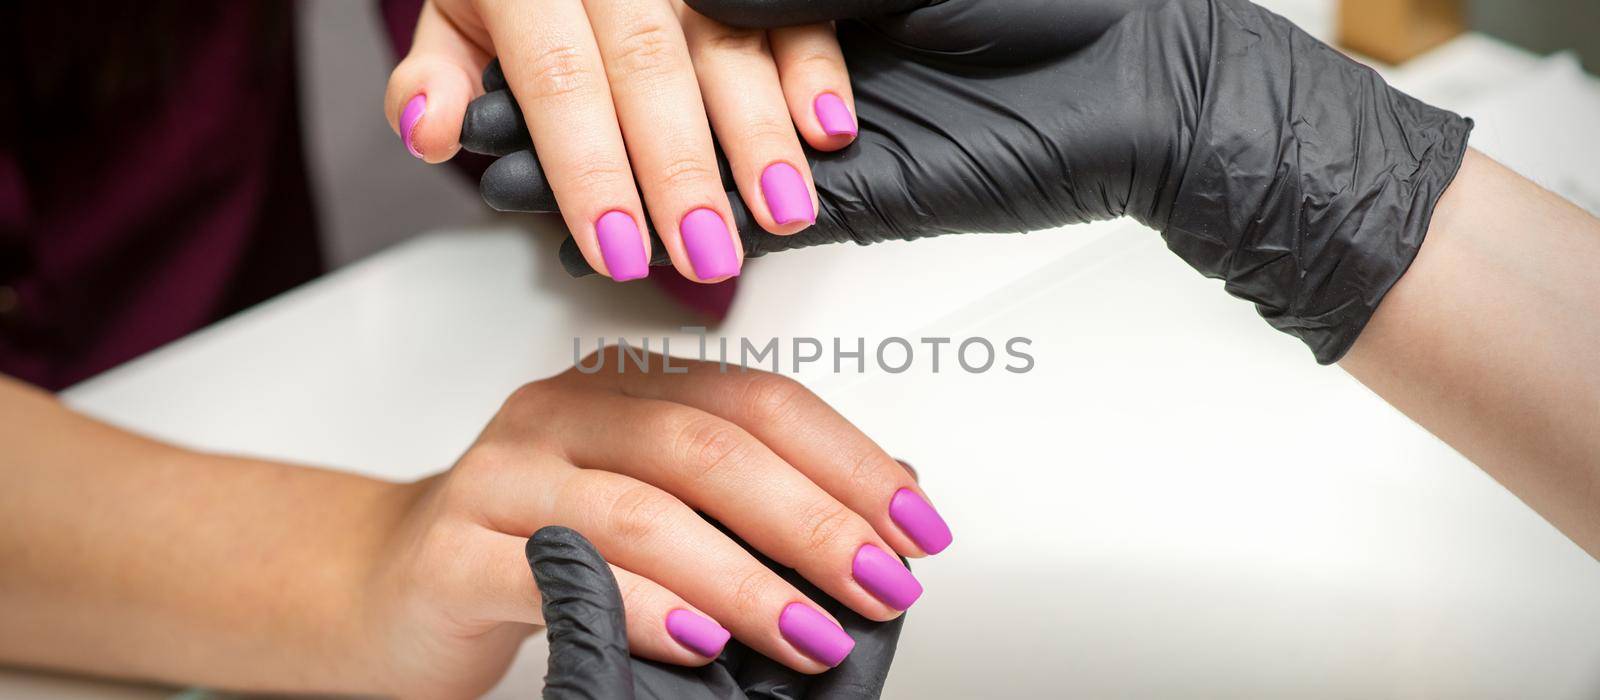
column 810, row 435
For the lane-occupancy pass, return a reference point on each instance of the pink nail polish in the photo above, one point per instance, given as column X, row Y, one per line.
column 919, row 521
column 697, row 633
column 621, row 246
column 834, row 116
column 786, row 194
column 885, row 577
column 710, row 246
column 408, row 121
column 814, row 634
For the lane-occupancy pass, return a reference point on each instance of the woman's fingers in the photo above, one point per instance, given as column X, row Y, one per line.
column 661, row 625
column 816, row 84
column 553, row 66
column 746, row 104
column 516, row 490
column 716, row 467
column 664, row 121
column 805, row 432
column 428, row 91
column 644, row 530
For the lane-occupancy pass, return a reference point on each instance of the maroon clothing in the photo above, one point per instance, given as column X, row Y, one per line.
column 151, row 177
column 152, row 180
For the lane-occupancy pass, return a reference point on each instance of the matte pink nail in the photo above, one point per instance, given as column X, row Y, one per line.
column 621, row 246
column 786, row 194
column 710, row 246
column 814, row 634
column 697, row 633
column 885, row 577
column 919, row 521
column 834, row 116
column 408, row 122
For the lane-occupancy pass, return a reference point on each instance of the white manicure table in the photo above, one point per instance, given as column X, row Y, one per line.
column 1177, row 502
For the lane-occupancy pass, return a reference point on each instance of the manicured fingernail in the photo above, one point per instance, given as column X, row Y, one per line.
column 408, row 122
column 919, row 521
column 621, row 246
column 786, row 194
column 698, row 634
column 835, row 118
column 885, row 577
column 814, row 634
column 709, row 245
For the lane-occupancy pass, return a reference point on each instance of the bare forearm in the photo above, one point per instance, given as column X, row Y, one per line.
column 128, row 557
column 1490, row 341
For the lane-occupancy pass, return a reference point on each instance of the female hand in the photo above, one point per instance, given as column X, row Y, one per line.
column 588, row 635
column 627, row 458
column 618, row 92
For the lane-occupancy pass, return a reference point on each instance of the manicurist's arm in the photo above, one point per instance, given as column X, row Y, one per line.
column 1351, row 214
column 1492, row 341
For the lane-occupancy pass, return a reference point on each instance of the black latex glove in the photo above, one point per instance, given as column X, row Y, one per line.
column 589, row 640
column 1263, row 156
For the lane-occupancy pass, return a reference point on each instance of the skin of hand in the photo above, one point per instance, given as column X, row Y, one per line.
column 621, row 98
column 147, row 561
column 588, row 633
column 1489, row 342
column 1502, row 381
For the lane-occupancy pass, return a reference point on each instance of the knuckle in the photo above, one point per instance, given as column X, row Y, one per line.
column 647, row 51
column 822, row 525
column 687, row 171
column 707, row 445
column 598, row 174
column 560, row 71
column 750, row 591
column 635, row 595
column 524, row 407
column 767, row 129
column 639, row 510
column 481, row 460
column 527, row 396
column 814, row 63
column 733, row 40
column 866, row 468
column 773, row 399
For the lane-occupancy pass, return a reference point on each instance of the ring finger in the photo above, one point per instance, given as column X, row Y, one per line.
column 664, row 124
column 716, row 467
column 644, row 530
column 553, row 66
column 661, row 625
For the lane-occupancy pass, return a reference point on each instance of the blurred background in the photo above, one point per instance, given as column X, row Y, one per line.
column 1542, row 25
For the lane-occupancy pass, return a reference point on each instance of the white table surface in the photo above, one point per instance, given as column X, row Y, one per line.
column 1177, row 502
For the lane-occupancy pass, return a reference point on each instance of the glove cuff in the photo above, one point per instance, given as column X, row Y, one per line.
column 1311, row 183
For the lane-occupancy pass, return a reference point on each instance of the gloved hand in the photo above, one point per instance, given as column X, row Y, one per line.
column 1264, row 157
column 589, row 640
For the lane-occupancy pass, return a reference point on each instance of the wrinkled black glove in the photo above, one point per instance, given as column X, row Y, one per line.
column 589, row 640
column 1264, row 157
